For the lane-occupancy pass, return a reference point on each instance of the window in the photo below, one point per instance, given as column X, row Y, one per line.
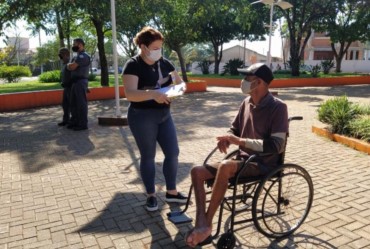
column 323, row 55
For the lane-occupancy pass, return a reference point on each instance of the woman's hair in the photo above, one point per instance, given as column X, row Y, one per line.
column 147, row 35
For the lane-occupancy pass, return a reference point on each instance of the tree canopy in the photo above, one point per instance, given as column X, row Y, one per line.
column 185, row 22
column 349, row 22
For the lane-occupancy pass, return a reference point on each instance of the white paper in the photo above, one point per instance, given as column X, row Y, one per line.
column 175, row 90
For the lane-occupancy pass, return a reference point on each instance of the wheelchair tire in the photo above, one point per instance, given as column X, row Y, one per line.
column 282, row 201
column 226, row 241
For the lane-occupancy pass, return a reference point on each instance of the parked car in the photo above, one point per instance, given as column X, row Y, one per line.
column 111, row 70
column 96, row 71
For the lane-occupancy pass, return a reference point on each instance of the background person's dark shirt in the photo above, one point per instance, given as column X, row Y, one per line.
column 65, row 76
column 82, row 71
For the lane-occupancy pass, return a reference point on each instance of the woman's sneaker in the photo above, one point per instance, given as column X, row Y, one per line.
column 151, row 203
column 179, row 198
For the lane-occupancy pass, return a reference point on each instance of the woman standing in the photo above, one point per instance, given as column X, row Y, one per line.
column 149, row 116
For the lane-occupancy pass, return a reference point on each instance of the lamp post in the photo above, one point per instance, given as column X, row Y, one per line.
column 282, row 4
column 117, row 120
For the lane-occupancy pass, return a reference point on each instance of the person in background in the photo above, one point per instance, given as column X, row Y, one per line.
column 79, row 67
column 261, row 126
column 64, row 56
column 149, row 116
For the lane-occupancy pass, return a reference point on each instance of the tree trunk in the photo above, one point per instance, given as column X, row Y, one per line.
column 104, row 76
column 338, row 64
column 294, row 59
column 60, row 29
column 182, row 64
column 218, row 57
column 339, row 55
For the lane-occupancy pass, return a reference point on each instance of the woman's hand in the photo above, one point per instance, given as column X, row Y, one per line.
column 161, row 98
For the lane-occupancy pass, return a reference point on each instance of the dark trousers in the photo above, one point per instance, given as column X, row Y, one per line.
column 79, row 103
column 66, row 102
column 149, row 127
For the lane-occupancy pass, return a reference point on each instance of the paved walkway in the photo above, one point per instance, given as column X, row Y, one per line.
column 66, row 189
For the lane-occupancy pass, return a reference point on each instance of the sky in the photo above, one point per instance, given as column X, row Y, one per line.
column 260, row 46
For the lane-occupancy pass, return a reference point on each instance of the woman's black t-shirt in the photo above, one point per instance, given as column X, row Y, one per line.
column 149, row 77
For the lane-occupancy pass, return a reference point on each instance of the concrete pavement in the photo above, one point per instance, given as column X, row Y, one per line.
column 67, row 189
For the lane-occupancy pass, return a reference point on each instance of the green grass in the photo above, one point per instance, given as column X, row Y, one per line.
column 27, row 86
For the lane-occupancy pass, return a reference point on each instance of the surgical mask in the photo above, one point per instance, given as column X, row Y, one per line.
column 245, row 85
column 75, row 48
column 155, row 55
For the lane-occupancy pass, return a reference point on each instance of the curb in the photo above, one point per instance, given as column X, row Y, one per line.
column 26, row 100
column 350, row 142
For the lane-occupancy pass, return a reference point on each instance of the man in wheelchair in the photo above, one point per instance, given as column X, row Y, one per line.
column 261, row 126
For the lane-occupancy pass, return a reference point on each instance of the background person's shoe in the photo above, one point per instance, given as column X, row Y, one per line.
column 71, row 126
column 179, row 198
column 151, row 204
column 80, row 128
column 62, row 123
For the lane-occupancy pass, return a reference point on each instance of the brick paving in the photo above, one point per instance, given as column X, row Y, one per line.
column 66, row 189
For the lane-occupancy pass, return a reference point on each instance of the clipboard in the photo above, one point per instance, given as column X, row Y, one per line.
column 174, row 90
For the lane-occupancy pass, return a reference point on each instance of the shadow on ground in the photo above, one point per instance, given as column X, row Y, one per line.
column 126, row 214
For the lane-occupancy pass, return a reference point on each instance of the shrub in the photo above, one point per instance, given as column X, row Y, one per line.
column 92, row 77
column 231, row 67
column 337, row 113
column 50, row 76
column 14, row 73
column 315, row 70
column 360, row 128
column 327, row 65
column 283, row 71
column 204, row 66
column 54, row 76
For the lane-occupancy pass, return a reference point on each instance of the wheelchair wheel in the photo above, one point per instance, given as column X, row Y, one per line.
column 282, row 201
column 226, row 241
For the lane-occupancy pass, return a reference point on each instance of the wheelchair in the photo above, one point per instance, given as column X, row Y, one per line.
column 278, row 203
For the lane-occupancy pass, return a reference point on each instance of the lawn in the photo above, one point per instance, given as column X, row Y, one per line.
column 35, row 85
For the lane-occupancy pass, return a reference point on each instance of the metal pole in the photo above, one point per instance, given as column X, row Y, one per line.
column 269, row 52
column 115, row 61
column 41, row 67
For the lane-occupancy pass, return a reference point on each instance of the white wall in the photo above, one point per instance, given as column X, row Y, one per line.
column 353, row 66
column 348, row 66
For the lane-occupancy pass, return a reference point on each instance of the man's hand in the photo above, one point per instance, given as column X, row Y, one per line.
column 223, row 145
column 225, row 141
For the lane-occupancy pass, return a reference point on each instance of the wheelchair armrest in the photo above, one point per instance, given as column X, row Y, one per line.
column 250, row 159
column 228, row 155
column 210, row 155
column 295, row 118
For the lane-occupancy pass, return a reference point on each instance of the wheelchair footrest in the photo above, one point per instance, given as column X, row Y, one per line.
column 178, row 217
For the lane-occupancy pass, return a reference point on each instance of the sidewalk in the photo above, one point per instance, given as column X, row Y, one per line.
column 67, row 189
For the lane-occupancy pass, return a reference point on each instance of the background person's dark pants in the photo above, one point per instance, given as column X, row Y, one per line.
column 79, row 104
column 66, row 102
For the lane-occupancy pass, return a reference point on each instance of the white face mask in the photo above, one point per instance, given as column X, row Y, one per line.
column 155, row 55
column 246, row 85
